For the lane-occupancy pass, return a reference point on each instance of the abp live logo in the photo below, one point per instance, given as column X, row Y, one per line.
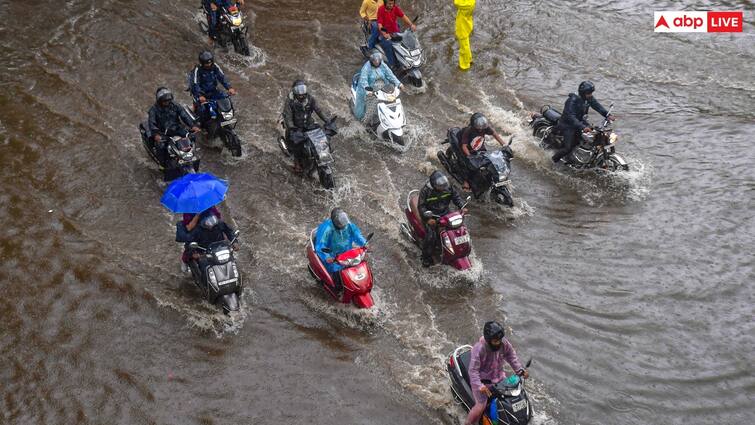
column 692, row 21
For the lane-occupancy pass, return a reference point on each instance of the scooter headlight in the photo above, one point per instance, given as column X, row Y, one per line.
column 447, row 244
column 227, row 115
column 222, row 256
column 351, row 262
column 613, row 138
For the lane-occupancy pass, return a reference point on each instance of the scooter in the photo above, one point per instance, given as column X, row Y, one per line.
column 388, row 120
column 182, row 156
column 232, row 27
column 218, row 278
column 453, row 236
column 317, row 152
column 596, row 149
column 407, row 50
column 509, row 404
column 491, row 168
column 356, row 276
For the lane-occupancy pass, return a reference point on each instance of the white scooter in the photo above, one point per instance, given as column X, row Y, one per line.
column 388, row 119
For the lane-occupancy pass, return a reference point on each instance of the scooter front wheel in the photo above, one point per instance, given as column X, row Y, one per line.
column 326, row 177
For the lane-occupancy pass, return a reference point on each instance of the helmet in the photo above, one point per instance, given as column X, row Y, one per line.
column 376, row 58
column 439, row 181
column 339, row 218
column 162, row 94
column 210, row 221
column 206, row 58
column 493, row 330
column 299, row 88
column 585, row 87
column 478, row 121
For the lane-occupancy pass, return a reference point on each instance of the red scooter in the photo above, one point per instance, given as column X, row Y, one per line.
column 356, row 276
column 454, row 238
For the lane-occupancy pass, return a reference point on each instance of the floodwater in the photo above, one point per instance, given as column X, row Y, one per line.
column 633, row 292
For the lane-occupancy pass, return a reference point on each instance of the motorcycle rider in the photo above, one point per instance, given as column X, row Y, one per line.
column 372, row 70
column 434, row 199
column 184, row 228
column 368, row 12
column 211, row 7
column 203, row 81
column 573, row 119
column 339, row 235
column 486, row 366
column 297, row 116
column 387, row 18
column 167, row 119
column 472, row 141
column 211, row 229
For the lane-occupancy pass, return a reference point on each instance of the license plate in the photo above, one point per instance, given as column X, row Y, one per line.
column 519, row 405
column 503, row 183
column 461, row 239
column 229, row 122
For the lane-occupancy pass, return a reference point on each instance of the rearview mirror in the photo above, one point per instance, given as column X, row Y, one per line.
column 194, row 245
column 236, row 233
column 469, row 198
column 370, row 236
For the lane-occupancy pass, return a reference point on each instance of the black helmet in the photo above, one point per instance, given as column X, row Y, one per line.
column 376, row 58
column 162, row 94
column 586, row 87
column 210, row 221
column 439, row 181
column 493, row 330
column 478, row 121
column 299, row 88
column 339, row 218
column 206, row 57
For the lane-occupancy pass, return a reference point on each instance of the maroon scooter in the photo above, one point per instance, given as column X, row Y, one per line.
column 454, row 239
column 355, row 275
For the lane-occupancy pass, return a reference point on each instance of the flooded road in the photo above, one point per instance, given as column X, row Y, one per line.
column 633, row 292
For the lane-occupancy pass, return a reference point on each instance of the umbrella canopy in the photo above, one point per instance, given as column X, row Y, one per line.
column 194, row 193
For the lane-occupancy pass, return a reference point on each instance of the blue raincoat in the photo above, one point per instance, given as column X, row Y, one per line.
column 367, row 77
column 338, row 241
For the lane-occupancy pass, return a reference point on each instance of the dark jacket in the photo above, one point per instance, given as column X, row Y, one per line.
column 299, row 115
column 468, row 134
column 203, row 82
column 169, row 118
column 575, row 110
column 437, row 202
column 205, row 237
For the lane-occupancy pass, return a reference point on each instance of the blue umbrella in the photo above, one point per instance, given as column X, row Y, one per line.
column 194, row 193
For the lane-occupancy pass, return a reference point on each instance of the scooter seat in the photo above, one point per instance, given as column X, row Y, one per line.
column 464, row 360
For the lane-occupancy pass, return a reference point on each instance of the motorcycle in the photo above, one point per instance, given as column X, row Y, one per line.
column 492, row 168
column 218, row 276
column 596, row 149
column 317, row 151
column 389, row 120
column 232, row 27
column 512, row 404
column 356, row 276
column 219, row 120
column 407, row 51
column 182, row 157
column 453, row 236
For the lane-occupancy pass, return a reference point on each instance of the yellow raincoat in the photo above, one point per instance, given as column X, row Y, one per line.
column 464, row 27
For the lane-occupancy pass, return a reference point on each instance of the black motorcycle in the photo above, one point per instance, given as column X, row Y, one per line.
column 315, row 144
column 513, row 405
column 219, row 120
column 596, row 149
column 182, row 156
column 486, row 171
column 216, row 275
column 232, row 28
